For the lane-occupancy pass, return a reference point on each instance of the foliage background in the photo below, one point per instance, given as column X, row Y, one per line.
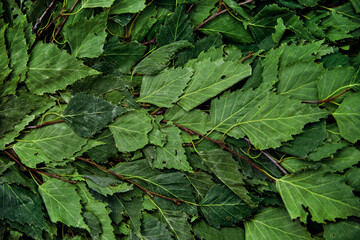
column 187, row 119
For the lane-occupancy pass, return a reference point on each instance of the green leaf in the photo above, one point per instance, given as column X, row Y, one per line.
column 280, row 29
column 338, row 26
column 204, row 231
column 4, row 60
column 127, row 6
column 98, row 209
column 299, row 80
column 345, row 158
column 201, row 45
column 313, row 136
column 348, row 118
column 165, row 88
column 52, row 69
column 226, row 169
column 342, row 230
column 326, row 150
column 13, row 111
column 62, row 203
column 144, row 23
column 51, row 143
column 16, row 42
column 356, row 5
column 263, row 24
column 196, row 120
column 87, row 114
column 353, row 178
column 87, row 37
column 201, row 182
column 172, row 155
column 97, row 3
column 152, row 228
column 334, row 81
column 130, row 131
column 201, row 10
column 308, row 3
column 229, row 28
column 260, row 115
column 99, row 85
column 178, row 224
column 325, row 195
column 274, row 223
column 221, row 207
column 20, row 205
column 211, row 78
column 176, row 27
column 122, row 56
column 159, row 58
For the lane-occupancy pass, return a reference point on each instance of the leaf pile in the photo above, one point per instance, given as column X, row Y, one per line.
column 187, row 119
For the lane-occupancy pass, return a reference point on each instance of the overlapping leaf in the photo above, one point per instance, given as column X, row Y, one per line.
column 274, row 223
column 86, row 114
column 87, row 37
column 130, row 131
column 348, row 117
column 325, row 195
column 52, row 69
column 62, row 203
column 206, row 84
column 165, row 88
column 261, row 115
column 221, row 207
column 177, row 27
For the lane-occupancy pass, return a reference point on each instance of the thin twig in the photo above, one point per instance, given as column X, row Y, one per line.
column 16, row 158
column 42, row 16
column 247, row 56
column 63, row 22
column 217, row 14
column 191, row 6
column 271, row 159
column 329, row 99
column 44, row 124
column 148, row 192
column 150, row 41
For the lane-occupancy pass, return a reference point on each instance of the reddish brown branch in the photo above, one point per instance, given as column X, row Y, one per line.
column 149, row 42
column 191, row 6
column 247, row 57
column 63, row 22
column 222, row 144
column 148, row 192
column 45, row 124
column 16, row 158
column 329, row 99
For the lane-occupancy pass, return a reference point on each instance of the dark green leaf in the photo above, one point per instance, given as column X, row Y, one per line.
column 222, row 207
column 87, row 114
column 177, row 27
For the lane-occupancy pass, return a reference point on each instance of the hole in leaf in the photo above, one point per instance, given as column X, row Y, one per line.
column 223, row 77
